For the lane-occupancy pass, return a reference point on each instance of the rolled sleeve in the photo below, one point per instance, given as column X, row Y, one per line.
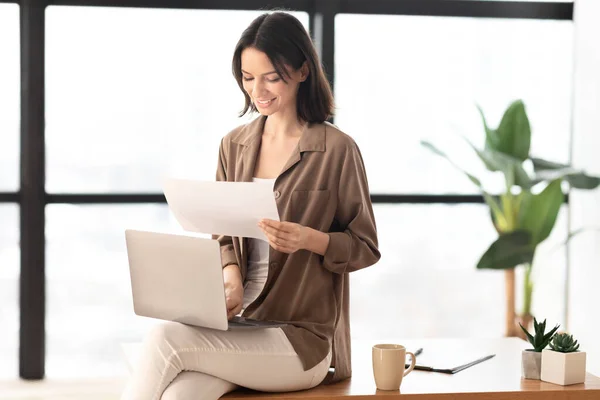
column 227, row 253
column 356, row 245
column 337, row 255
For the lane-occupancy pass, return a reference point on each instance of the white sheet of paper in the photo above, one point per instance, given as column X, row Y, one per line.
column 221, row 208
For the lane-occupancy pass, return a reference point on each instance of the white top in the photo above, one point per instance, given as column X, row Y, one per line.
column 258, row 262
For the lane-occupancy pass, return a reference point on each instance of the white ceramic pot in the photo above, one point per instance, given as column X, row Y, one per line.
column 531, row 362
column 563, row 368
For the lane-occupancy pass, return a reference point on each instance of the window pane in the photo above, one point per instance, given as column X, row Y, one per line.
column 9, row 97
column 422, row 77
column 90, row 309
column 426, row 283
column 9, row 290
column 130, row 105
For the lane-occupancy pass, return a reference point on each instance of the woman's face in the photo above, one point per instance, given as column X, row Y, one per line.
column 269, row 93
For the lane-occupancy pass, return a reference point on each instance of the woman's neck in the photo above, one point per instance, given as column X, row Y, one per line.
column 279, row 125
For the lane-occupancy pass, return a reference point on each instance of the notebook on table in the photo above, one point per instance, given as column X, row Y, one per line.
column 447, row 362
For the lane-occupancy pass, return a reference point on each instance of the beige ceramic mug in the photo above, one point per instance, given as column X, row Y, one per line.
column 389, row 365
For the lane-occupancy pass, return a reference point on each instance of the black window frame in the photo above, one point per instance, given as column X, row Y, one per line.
column 32, row 197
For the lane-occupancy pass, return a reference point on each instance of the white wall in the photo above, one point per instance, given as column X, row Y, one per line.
column 584, row 286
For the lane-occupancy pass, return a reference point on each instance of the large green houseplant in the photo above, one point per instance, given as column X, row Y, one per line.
column 525, row 212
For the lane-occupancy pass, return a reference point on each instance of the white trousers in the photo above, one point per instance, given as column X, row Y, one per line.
column 184, row 362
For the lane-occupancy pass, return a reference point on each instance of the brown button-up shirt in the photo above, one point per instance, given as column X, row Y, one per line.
column 322, row 186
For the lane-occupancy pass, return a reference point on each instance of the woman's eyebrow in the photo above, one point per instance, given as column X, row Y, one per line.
column 267, row 73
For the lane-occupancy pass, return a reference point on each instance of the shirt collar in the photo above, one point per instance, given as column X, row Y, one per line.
column 312, row 139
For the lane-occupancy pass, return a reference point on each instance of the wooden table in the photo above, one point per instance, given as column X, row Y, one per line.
column 496, row 379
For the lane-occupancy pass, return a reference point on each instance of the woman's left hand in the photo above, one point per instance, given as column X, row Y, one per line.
column 286, row 237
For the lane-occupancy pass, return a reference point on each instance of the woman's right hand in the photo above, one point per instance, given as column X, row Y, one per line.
column 234, row 290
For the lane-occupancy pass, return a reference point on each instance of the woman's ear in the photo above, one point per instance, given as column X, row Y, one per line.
column 304, row 71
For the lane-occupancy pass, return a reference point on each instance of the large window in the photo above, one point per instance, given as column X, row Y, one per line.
column 137, row 104
column 421, row 78
column 9, row 97
column 9, row 289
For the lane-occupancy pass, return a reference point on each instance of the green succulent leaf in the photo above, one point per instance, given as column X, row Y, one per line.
column 549, row 335
column 564, row 343
column 529, row 336
column 541, row 339
column 542, row 327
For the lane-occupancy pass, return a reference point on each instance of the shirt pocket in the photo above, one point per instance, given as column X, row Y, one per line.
column 309, row 207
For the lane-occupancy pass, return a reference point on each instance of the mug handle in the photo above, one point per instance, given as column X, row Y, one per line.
column 413, row 362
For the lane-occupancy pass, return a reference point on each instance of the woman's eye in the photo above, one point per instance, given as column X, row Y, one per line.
column 247, row 79
column 274, row 80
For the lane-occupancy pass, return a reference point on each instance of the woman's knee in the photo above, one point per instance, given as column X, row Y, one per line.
column 164, row 333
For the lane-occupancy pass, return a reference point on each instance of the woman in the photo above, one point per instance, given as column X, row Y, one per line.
column 300, row 277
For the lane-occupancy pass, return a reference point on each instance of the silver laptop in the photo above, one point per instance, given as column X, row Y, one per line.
column 180, row 278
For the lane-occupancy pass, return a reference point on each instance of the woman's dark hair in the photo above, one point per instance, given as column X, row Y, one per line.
column 285, row 41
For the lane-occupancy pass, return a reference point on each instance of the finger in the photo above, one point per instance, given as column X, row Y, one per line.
column 231, row 302
column 280, row 243
column 282, row 236
column 277, row 242
column 283, row 226
column 269, row 235
column 287, row 227
column 233, row 312
column 269, row 222
column 277, row 225
column 269, row 228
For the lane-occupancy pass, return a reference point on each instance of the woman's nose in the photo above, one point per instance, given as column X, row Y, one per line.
column 258, row 88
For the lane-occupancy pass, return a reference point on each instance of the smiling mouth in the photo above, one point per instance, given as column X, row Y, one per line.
column 264, row 102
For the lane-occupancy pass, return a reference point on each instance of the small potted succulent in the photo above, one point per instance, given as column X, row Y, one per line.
column 563, row 364
column 531, row 359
